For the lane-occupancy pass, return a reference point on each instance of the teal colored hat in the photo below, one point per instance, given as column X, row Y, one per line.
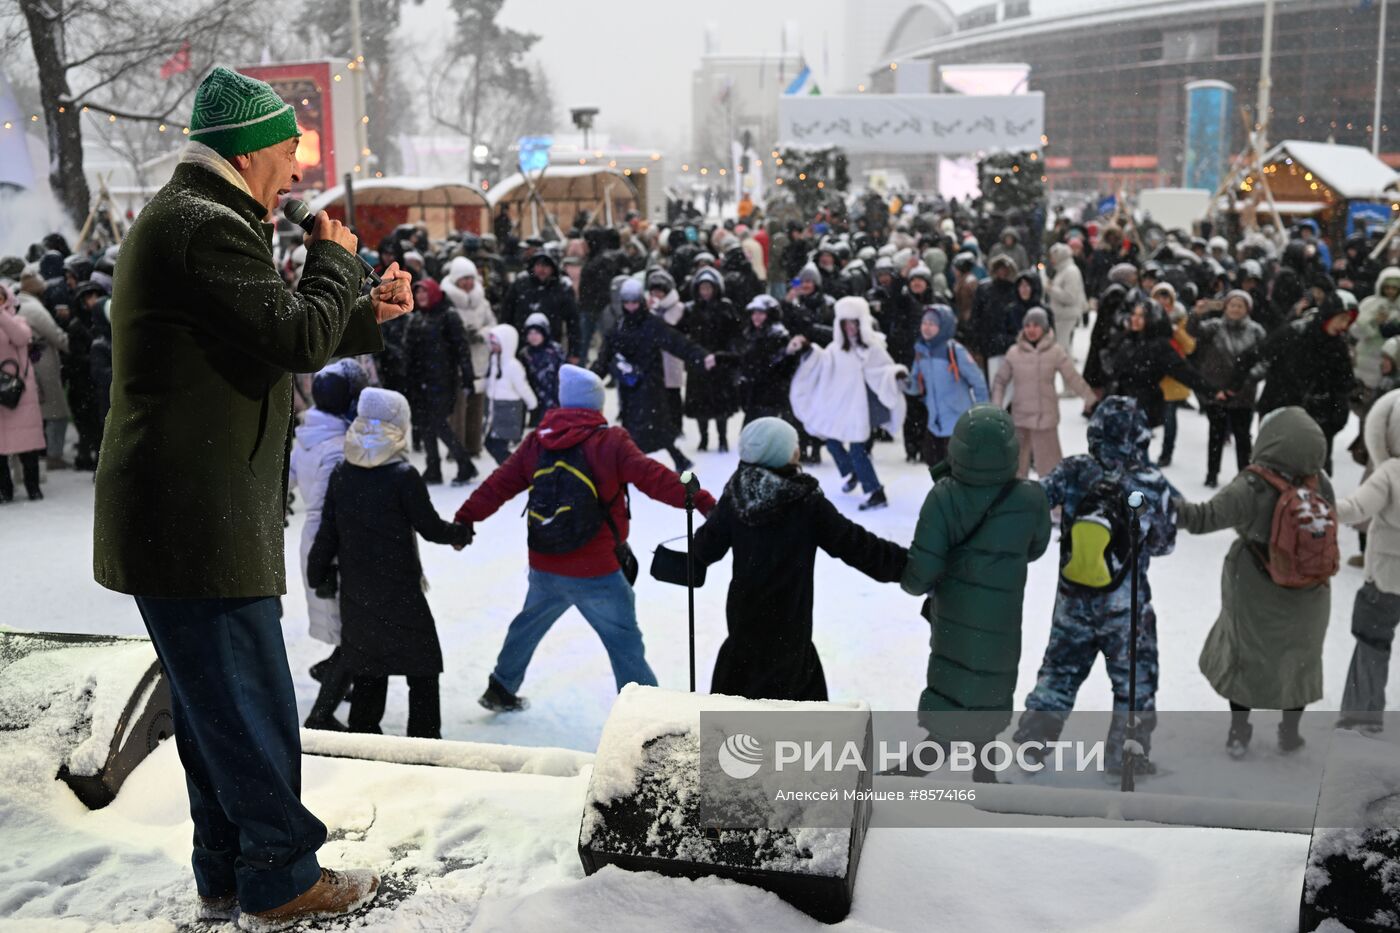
column 235, row 114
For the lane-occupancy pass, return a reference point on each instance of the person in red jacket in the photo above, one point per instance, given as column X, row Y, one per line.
column 589, row 577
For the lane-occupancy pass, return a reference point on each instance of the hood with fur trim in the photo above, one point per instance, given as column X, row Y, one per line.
column 854, row 308
column 761, row 495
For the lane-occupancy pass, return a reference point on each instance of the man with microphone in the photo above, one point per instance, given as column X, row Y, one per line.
column 191, row 483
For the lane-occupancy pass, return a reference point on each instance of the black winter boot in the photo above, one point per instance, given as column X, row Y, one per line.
column 500, row 700
column 1289, row 739
column 1237, row 743
column 466, row 472
column 877, row 500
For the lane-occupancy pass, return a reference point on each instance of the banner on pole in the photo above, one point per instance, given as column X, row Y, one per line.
column 936, row 124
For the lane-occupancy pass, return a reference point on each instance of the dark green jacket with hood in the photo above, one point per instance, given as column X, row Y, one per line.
column 974, row 573
column 191, row 479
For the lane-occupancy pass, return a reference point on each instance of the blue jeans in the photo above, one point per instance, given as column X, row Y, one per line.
column 856, row 461
column 237, row 733
column 609, row 605
column 581, row 344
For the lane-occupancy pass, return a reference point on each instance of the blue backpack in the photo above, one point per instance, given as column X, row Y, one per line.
column 563, row 511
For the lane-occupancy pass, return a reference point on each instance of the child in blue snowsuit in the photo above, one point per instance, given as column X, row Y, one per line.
column 1090, row 623
column 946, row 377
column 542, row 357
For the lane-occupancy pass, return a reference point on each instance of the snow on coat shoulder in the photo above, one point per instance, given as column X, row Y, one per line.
column 827, row 391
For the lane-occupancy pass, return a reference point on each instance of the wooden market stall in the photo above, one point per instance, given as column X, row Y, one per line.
column 381, row 204
column 1329, row 183
column 553, row 197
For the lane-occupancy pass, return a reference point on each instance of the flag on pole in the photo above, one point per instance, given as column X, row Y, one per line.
column 804, row 83
column 176, row 64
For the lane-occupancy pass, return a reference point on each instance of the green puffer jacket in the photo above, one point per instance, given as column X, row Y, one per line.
column 205, row 335
column 1265, row 649
column 975, row 576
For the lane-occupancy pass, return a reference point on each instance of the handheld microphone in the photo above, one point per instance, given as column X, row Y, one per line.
column 300, row 214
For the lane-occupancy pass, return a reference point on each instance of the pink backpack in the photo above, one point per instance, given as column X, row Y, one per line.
column 1303, row 549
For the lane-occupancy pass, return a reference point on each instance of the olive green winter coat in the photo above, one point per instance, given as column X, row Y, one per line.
column 974, row 572
column 204, row 338
column 1265, row 649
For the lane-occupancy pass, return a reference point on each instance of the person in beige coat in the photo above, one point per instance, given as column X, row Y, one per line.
column 1066, row 296
column 463, row 288
column 1376, row 610
column 53, row 402
column 1030, row 367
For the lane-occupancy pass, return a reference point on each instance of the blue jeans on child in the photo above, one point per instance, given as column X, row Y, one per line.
column 856, row 461
column 607, row 603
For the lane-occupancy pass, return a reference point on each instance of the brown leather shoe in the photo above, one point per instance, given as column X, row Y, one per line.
column 217, row 908
column 57, row 463
column 336, row 894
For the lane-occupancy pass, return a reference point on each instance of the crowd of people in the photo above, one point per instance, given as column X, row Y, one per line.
column 948, row 334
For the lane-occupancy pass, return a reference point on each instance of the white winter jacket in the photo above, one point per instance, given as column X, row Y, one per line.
column 829, row 391
column 475, row 312
column 1378, row 499
column 506, row 380
column 318, row 450
column 1066, row 292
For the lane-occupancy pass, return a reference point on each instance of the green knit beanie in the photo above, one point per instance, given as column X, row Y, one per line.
column 235, row 114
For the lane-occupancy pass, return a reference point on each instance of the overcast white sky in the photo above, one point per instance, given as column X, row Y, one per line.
column 633, row 59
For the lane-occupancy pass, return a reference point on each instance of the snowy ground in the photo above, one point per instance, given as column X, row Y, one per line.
column 499, row 849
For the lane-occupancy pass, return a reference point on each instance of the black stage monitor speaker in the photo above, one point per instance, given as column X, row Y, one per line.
column 644, row 807
column 1354, row 855
column 107, row 694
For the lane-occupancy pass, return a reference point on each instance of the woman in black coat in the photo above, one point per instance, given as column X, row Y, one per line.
column 439, row 365
column 765, row 366
column 1143, row 357
column 375, row 505
column 1308, row 364
column 775, row 517
column 632, row 355
column 712, row 322
column 1106, row 327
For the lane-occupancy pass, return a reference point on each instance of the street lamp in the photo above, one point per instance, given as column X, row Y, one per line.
column 583, row 120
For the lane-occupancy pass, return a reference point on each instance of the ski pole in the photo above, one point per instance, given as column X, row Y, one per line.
column 692, row 485
column 1136, row 501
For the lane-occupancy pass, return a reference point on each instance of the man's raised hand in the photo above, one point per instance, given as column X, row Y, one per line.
column 394, row 296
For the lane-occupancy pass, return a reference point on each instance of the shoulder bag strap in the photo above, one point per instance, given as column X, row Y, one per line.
column 1001, row 497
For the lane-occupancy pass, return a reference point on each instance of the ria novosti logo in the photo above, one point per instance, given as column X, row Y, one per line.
column 740, row 756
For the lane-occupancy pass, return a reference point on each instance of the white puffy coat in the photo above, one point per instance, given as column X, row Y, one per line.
column 318, row 450
column 506, row 380
column 829, row 391
column 1378, row 499
column 475, row 312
